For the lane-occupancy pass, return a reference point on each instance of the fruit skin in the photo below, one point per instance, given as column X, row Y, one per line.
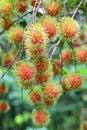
column 24, row 73
column 15, row 34
column 35, row 40
column 81, row 55
column 6, row 23
column 22, row 5
column 3, row 89
column 4, row 106
column 34, row 96
column 53, row 8
column 71, row 81
column 68, row 28
column 67, row 56
column 41, row 117
column 50, row 26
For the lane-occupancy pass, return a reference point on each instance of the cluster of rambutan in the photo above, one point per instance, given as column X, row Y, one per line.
column 37, row 74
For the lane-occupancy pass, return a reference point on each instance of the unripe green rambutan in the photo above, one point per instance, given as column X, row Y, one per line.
column 67, row 56
column 41, row 117
column 24, row 73
column 3, row 89
column 68, row 28
column 53, row 8
column 22, row 5
column 34, row 96
column 49, row 25
column 15, row 34
column 4, row 106
column 71, row 82
column 81, row 55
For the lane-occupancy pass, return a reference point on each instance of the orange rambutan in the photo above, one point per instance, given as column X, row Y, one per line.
column 34, row 96
column 40, row 117
column 81, row 55
column 82, row 36
column 67, row 56
column 50, row 27
column 36, row 37
column 24, row 73
column 76, row 44
column 41, row 78
column 53, row 8
column 84, row 125
column 6, row 8
column 68, row 27
column 16, row 34
column 75, row 81
column 71, row 81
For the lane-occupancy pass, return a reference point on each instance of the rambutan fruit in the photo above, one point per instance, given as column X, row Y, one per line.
column 42, row 64
column 3, row 89
column 42, row 78
column 41, row 117
column 6, row 7
column 15, row 34
column 52, row 92
column 84, row 125
column 34, row 96
column 71, row 82
column 82, row 36
column 75, row 81
column 56, row 66
column 76, row 44
column 68, row 28
column 4, row 106
column 8, row 57
column 53, row 8
column 49, row 25
column 35, row 40
column 22, row 5
column 33, row 2
column 67, row 56
column 24, row 73
column 6, row 23
column 81, row 55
